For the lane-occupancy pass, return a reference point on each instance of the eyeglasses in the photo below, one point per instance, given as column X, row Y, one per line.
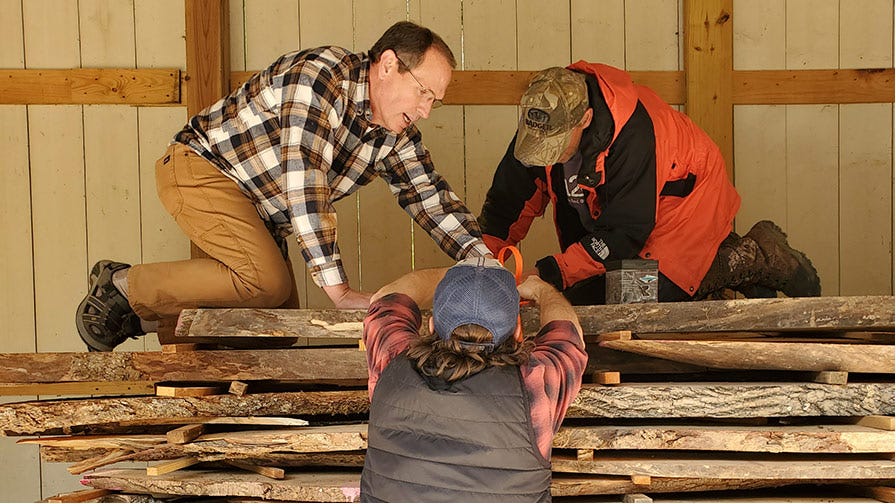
column 424, row 91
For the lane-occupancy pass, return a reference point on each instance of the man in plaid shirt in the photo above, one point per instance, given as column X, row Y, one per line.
column 269, row 160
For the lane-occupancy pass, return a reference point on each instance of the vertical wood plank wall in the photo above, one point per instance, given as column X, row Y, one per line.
column 21, row 480
column 78, row 182
column 819, row 171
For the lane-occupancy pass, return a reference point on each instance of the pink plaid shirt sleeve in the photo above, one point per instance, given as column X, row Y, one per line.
column 392, row 322
column 553, row 378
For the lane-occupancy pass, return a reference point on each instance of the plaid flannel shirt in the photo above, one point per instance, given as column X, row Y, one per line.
column 298, row 136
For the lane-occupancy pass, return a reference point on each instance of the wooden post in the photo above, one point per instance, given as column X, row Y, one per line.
column 208, row 60
column 208, row 53
column 207, row 79
column 708, row 65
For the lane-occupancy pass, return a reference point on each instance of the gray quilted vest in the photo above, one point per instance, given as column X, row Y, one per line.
column 467, row 441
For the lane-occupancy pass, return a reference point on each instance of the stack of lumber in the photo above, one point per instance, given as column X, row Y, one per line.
column 695, row 397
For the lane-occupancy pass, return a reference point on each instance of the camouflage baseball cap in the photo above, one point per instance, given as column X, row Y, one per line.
column 552, row 106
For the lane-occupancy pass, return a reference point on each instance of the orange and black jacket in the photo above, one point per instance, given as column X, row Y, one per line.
column 655, row 185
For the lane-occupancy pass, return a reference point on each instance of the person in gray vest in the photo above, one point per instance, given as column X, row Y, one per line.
column 467, row 411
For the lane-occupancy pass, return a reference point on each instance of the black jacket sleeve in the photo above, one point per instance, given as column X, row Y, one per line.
column 627, row 202
column 515, row 197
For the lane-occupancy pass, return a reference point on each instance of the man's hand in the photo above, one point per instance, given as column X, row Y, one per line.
column 551, row 303
column 345, row 298
column 533, row 287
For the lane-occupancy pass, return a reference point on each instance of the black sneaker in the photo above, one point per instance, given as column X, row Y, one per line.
column 105, row 318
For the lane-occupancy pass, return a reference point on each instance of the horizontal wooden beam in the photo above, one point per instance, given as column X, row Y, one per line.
column 505, row 87
column 162, row 86
column 84, row 86
column 794, row 87
column 476, row 87
column 754, row 87
column 768, row 87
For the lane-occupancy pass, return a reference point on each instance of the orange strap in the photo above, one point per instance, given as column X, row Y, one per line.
column 518, row 261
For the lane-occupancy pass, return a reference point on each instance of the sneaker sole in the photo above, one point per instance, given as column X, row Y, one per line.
column 92, row 344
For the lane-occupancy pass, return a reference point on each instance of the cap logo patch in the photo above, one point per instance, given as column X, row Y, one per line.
column 537, row 119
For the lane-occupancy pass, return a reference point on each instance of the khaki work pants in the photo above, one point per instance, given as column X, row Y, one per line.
column 246, row 268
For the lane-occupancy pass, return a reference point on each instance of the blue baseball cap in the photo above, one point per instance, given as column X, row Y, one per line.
column 477, row 290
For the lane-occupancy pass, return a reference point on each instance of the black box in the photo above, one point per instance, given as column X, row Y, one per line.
column 632, row 281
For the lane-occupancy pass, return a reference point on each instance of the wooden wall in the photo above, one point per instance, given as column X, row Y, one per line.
column 823, row 172
column 78, row 186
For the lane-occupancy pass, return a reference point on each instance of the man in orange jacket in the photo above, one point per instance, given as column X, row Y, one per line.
column 630, row 177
